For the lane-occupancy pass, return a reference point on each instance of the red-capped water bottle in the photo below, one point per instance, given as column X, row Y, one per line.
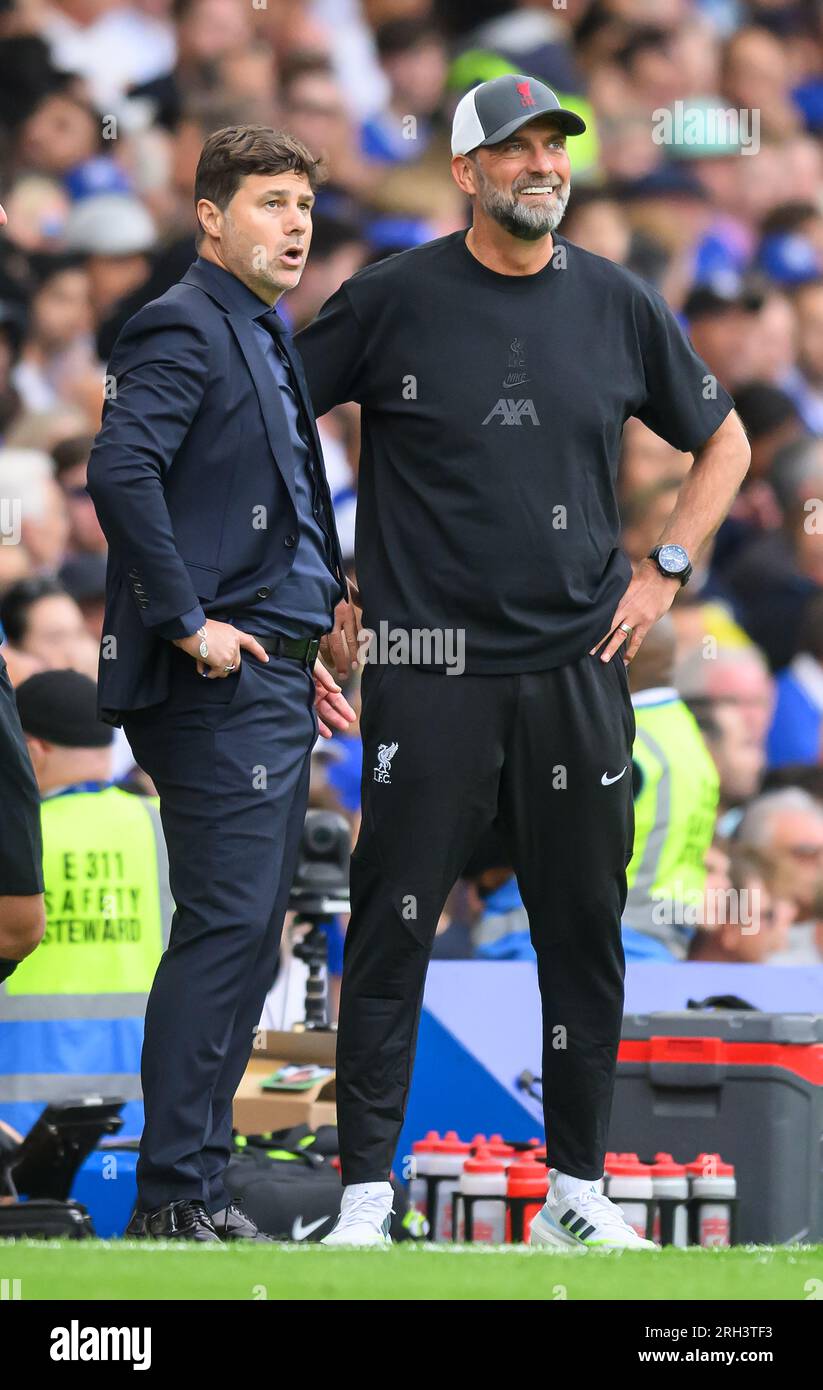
column 480, row 1200
column 445, row 1167
column 714, row 1189
column 528, row 1181
column 422, row 1151
column 670, row 1182
column 499, row 1149
column 629, row 1185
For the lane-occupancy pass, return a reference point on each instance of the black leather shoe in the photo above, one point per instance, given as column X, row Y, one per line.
column 181, row 1220
column 136, row 1229
column 232, row 1223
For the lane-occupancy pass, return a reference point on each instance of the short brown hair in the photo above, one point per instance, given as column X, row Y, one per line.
column 236, row 150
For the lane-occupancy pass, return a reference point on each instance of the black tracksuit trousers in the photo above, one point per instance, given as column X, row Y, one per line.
column 548, row 756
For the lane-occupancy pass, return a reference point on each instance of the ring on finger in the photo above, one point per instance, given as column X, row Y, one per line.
column 626, row 627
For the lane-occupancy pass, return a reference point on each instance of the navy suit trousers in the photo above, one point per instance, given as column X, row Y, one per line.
column 230, row 760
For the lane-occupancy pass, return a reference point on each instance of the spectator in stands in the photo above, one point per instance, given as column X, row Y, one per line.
column 27, row 482
column 338, row 249
column 314, row 110
column 796, row 733
column 737, row 676
column 596, row 221
column 62, row 134
column 719, row 325
column 785, row 828
column 12, row 319
column 84, row 579
column 71, row 457
column 41, row 620
column 413, row 57
column 807, row 776
column 774, row 338
column 58, row 344
column 775, row 577
column 804, row 382
column 748, row 923
column 116, row 234
column 675, row 807
column 738, row 754
column 772, row 421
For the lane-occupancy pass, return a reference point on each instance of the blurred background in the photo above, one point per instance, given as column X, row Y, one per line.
column 104, row 107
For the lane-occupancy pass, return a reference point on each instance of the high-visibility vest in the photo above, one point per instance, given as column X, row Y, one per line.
column 71, row 1014
column 675, row 812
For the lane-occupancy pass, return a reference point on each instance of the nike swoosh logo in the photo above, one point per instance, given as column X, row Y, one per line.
column 607, row 780
column 299, row 1231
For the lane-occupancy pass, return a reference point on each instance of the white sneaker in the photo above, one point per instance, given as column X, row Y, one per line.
column 365, row 1216
column 587, row 1220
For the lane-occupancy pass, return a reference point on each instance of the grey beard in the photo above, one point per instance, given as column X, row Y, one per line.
column 527, row 223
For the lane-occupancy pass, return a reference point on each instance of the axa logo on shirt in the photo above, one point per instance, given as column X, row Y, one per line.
column 511, row 412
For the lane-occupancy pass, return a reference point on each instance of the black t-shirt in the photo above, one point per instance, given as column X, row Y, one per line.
column 493, row 407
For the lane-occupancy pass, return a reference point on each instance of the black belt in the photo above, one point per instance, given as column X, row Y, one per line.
column 303, row 649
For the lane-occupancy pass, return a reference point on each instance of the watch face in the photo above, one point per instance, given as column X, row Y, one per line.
column 673, row 559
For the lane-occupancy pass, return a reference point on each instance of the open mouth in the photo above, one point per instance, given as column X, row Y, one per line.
column 538, row 190
column 293, row 256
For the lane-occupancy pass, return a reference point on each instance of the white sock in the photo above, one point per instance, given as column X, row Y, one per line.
column 563, row 1185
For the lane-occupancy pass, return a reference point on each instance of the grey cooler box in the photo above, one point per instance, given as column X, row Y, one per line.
column 745, row 1085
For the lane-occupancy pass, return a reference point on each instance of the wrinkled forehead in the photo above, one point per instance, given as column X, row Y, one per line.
column 537, row 127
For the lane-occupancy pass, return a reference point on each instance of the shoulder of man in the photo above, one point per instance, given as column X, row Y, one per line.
column 616, row 278
column 183, row 308
column 402, row 267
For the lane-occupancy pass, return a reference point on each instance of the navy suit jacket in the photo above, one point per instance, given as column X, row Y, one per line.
column 192, row 476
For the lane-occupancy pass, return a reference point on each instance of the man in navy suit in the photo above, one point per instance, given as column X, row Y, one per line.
column 224, row 571
column 22, row 909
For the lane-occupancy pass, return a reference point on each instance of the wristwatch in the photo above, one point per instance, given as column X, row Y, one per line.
column 673, row 562
column 204, row 646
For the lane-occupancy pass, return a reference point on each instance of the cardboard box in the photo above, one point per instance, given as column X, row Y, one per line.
column 297, row 1047
column 256, row 1111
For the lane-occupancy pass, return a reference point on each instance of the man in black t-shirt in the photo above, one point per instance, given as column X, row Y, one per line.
column 496, row 369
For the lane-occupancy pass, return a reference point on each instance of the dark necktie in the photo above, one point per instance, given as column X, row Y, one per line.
column 275, row 326
column 277, row 329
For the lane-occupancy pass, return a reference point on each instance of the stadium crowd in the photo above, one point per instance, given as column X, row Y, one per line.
column 104, row 107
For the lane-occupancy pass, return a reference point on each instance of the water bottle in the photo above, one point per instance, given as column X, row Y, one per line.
column 445, row 1166
column 714, row 1188
column 671, row 1190
column 499, row 1149
column 422, row 1151
column 527, row 1184
column 629, row 1184
column 483, row 1183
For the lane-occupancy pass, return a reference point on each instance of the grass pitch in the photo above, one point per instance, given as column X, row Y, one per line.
column 111, row 1270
